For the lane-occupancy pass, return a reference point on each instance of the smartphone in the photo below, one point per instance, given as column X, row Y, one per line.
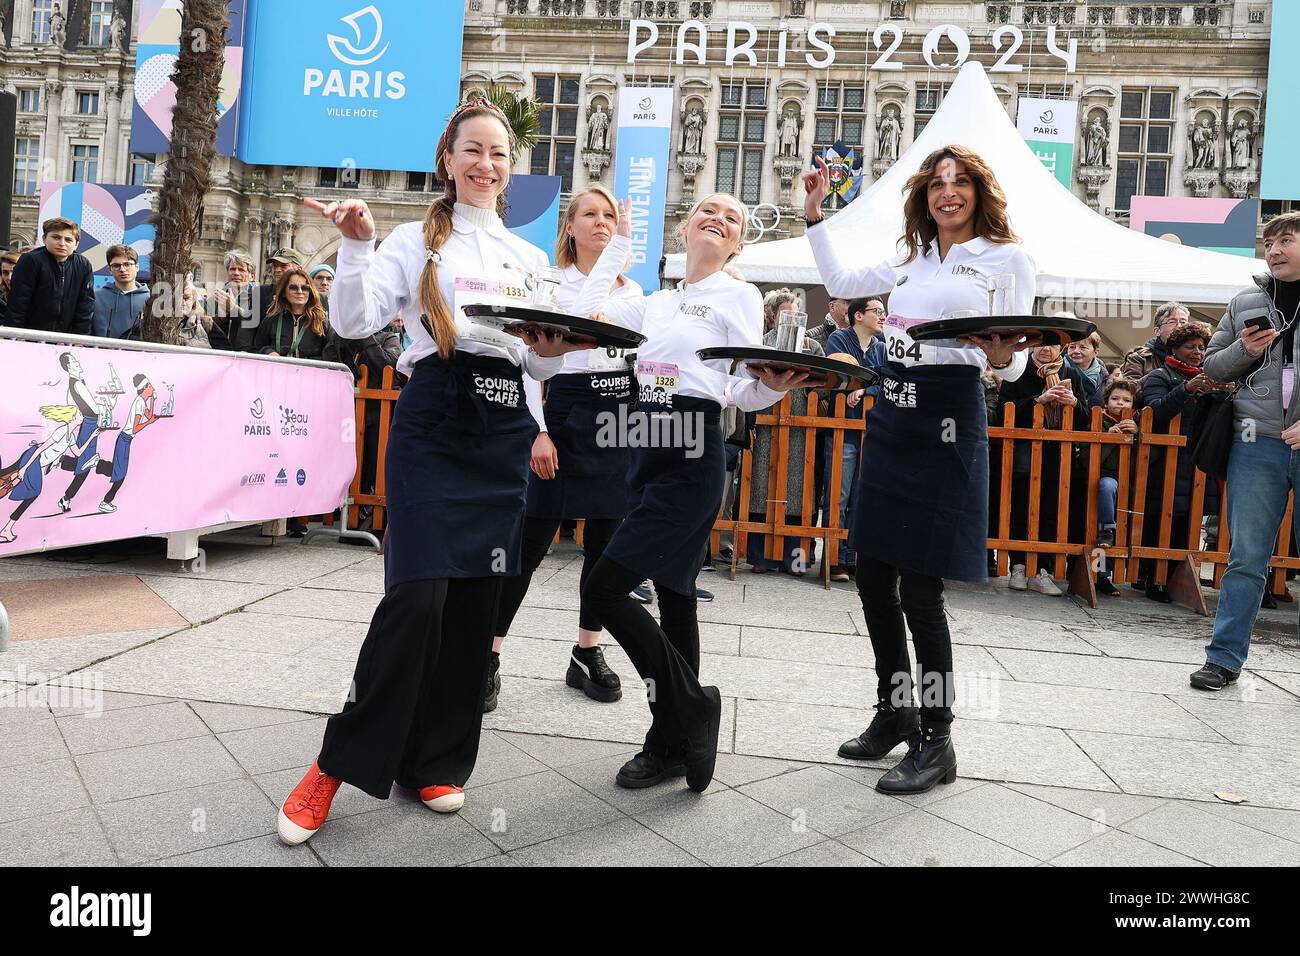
column 1259, row 322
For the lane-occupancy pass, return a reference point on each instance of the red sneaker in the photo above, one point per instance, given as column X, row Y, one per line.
column 443, row 798
column 307, row 806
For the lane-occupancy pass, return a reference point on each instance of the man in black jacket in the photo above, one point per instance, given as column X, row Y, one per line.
column 52, row 288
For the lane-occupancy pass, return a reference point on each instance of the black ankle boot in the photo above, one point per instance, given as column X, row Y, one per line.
column 889, row 728
column 930, row 761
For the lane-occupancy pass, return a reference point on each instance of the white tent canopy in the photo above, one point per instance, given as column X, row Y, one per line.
column 1081, row 255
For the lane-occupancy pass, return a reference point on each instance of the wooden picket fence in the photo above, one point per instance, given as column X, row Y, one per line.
column 1178, row 563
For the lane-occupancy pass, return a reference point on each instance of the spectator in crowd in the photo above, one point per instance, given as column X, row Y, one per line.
column 295, row 326
column 398, row 325
column 863, row 339
column 8, row 260
column 279, row 262
column 196, row 328
column 1121, row 396
column 1145, row 359
column 52, row 286
column 234, row 307
column 119, row 304
column 1092, row 371
column 1172, row 390
column 775, row 304
column 837, row 317
column 1053, row 383
column 322, row 276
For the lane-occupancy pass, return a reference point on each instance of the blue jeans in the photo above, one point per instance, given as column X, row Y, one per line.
column 848, row 494
column 1107, row 501
column 1260, row 473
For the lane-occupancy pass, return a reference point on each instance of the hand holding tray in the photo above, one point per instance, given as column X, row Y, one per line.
column 823, row 372
column 520, row 319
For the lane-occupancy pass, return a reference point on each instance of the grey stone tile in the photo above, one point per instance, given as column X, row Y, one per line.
column 620, row 843
column 403, row 834
column 1179, row 649
column 263, row 633
column 499, row 759
column 1018, row 821
column 790, row 615
column 37, row 789
column 1107, row 809
column 278, row 784
column 919, row 838
column 501, row 859
column 1287, row 682
column 735, row 770
column 181, row 821
column 367, row 575
column 42, row 660
column 197, row 599
column 1115, row 848
column 1258, row 724
column 30, row 736
column 103, row 702
column 527, row 810
column 597, row 778
column 286, row 563
column 322, row 603
column 1282, row 823
column 756, row 679
column 1194, row 770
column 1210, row 838
column 221, row 718
column 826, row 853
column 260, row 851
column 827, row 802
column 277, row 747
column 561, row 624
column 130, row 727
column 70, row 838
column 730, row 829
column 16, row 569
column 868, row 773
column 995, row 599
column 156, row 768
column 1009, row 631
column 557, row 752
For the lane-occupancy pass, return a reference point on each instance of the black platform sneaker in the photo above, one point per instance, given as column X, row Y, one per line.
column 589, row 673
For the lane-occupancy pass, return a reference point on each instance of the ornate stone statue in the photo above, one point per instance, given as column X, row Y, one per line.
column 788, row 143
column 888, row 131
column 598, row 129
column 1096, row 147
column 693, row 132
column 1243, row 146
column 117, row 30
column 1205, row 150
column 58, row 27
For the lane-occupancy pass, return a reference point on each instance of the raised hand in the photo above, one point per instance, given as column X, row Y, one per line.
column 816, row 187
column 625, row 218
column 352, row 217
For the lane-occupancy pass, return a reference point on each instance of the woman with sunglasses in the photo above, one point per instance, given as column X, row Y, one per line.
column 296, row 325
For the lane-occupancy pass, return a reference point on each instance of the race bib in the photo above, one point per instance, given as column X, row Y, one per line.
column 1288, row 385
column 607, row 360
column 898, row 344
column 657, row 382
column 506, row 290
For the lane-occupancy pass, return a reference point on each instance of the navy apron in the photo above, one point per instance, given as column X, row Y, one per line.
column 592, row 480
column 456, row 470
column 674, row 498
column 923, row 485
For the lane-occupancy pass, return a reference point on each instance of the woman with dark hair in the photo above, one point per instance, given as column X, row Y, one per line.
column 295, row 326
column 923, row 508
column 457, row 471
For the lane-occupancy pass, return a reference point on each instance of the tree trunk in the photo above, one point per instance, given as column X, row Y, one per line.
column 187, row 177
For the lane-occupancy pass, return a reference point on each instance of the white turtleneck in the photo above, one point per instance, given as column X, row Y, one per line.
column 372, row 287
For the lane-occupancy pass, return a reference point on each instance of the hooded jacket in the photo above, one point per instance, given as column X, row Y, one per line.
column 117, row 313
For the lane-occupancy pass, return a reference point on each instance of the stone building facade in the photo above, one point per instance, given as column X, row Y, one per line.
column 1172, row 99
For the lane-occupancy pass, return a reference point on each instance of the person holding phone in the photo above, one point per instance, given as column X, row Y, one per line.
column 924, row 498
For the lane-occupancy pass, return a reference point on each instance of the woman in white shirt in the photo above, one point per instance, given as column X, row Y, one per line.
column 923, row 483
column 456, row 476
column 676, row 478
column 574, row 474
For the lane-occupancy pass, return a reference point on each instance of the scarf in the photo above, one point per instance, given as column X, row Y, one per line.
column 1051, row 375
column 1189, row 370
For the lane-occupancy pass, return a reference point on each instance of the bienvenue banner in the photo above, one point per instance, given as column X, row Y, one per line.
column 1048, row 126
column 175, row 441
column 645, row 116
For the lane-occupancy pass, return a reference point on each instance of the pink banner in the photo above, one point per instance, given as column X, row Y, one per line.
column 99, row 444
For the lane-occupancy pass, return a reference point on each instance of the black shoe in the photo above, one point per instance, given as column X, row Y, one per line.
column 889, row 728
column 1268, row 602
column 1106, row 586
column 702, row 751
column 1158, row 593
column 647, row 769
column 492, row 686
column 589, row 673
column 930, row 761
column 725, row 552
column 296, row 529
column 642, row 593
column 703, row 596
column 1212, row 676
column 1106, row 537
column 1139, row 585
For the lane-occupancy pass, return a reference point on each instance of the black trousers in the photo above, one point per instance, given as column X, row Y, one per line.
column 538, row 535
column 891, row 597
column 666, row 655
column 416, row 706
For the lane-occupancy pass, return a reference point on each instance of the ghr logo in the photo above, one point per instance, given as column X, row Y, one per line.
column 341, row 47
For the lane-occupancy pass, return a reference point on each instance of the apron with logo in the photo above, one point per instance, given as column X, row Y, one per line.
column 675, row 490
column 923, row 478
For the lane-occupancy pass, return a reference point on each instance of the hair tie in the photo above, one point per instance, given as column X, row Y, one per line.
column 432, row 255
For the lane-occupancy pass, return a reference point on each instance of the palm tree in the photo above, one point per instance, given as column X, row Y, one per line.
column 522, row 114
column 188, row 176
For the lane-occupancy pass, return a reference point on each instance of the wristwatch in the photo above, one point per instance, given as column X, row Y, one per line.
column 812, row 222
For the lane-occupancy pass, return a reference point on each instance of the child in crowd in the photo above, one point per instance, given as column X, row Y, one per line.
column 1121, row 398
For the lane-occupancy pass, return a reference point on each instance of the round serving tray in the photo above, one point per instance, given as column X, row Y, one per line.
column 518, row 319
column 827, row 373
column 1053, row 331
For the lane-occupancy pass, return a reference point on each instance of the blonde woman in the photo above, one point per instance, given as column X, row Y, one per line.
column 29, row 471
column 573, row 474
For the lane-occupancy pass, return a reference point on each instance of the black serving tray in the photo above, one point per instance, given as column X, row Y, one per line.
column 518, row 319
column 827, row 373
column 1053, row 331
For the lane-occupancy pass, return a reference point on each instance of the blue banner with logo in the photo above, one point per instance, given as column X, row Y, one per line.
column 533, row 210
column 645, row 116
column 1282, row 130
column 344, row 84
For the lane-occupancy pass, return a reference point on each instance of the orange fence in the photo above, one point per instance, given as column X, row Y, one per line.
column 1079, row 443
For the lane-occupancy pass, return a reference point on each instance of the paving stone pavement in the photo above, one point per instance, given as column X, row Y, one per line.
column 1079, row 740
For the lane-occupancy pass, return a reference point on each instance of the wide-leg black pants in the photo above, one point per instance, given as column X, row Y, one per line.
column 538, row 535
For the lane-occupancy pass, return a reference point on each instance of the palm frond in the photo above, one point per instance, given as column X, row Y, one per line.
column 521, row 114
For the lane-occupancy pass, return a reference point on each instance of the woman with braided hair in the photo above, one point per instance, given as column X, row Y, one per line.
column 457, row 471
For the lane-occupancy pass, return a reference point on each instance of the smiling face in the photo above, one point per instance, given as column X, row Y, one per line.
column 1082, row 353
column 478, row 161
column 592, row 224
column 716, row 228
column 952, row 196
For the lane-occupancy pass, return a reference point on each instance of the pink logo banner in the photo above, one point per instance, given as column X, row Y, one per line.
column 99, row 444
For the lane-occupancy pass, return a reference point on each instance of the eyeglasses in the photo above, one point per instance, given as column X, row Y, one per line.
column 120, row 265
column 875, row 311
column 297, row 288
